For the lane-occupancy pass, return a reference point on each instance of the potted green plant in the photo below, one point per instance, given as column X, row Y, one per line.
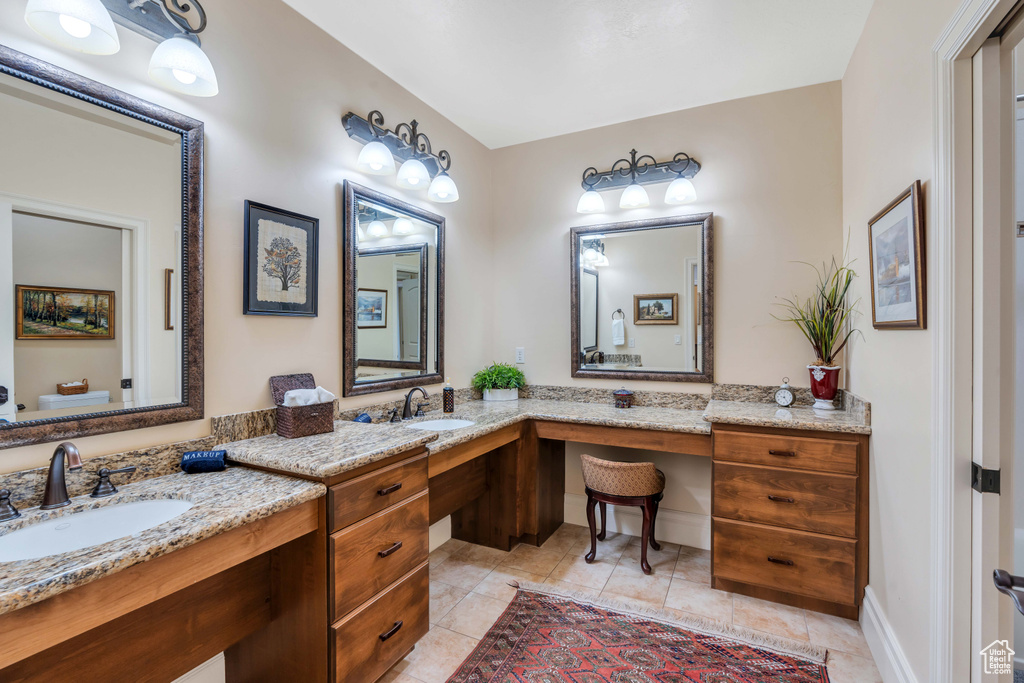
column 824, row 318
column 499, row 382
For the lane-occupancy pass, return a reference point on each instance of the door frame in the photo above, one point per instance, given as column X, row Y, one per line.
column 133, row 309
column 951, row 640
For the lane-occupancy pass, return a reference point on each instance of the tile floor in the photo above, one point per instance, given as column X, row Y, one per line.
column 469, row 591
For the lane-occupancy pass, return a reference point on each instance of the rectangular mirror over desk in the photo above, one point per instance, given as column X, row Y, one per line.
column 101, row 297
column 642, row 304
column 393, row 293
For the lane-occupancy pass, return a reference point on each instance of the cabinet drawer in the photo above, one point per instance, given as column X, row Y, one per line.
column 825, row 503
column 357, row 499
column 805, row 453
column 368, row 556
column 792, row 561
column 367, row 643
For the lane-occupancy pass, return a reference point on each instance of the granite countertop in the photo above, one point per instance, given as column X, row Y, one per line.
column 221, row 501
column 794, row 417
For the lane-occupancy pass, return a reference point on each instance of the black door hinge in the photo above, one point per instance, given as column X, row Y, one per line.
column 126, row 384
column 984, row 481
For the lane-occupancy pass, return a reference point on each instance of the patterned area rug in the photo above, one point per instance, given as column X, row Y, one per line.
column 548, row 638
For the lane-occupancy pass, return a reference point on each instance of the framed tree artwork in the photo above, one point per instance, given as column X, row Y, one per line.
column 896, row 249
column 280, row 262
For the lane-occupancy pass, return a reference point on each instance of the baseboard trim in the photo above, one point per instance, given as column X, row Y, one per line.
column 683, row 528
column 210, row 670
column 885, row 648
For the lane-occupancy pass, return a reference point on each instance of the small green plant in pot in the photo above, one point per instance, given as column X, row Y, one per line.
column 825, row 318
column 499, row 382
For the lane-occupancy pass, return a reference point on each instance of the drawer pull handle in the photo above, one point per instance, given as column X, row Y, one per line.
column 783, row 454
column 390, row 489
column 777, row 560
column 385, row 553
column 390, row 632
column 780, row 499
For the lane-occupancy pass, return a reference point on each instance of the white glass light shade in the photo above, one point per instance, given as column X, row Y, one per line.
column 403, row 226
column 413, row 175
column 590, row 256
column 590, row 202
column 634, row 197
column 681, row 191
column 442, row 189
column 82, row 25
column 375, row 158
column 601, row 261
column 180, row 65
column 377, row 229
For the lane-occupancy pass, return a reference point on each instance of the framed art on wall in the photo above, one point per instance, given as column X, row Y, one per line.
column 280, row 262
column 371, row 308
column 63, row 313
column 656, row 309
column 896, row 250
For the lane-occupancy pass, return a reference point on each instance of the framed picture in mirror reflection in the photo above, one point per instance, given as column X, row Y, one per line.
column 371, row 308
column 280, row 262
column 656, row 309
column 63, row 313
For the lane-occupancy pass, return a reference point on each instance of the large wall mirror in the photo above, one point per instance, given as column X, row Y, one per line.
column 393, row 293
column 100, row 255
column 642, row 304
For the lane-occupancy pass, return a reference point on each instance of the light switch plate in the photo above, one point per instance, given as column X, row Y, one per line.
column 679, row 339
column 632, row 343
column 520, row 354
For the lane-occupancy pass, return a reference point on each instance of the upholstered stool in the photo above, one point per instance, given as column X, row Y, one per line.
column 637, row 484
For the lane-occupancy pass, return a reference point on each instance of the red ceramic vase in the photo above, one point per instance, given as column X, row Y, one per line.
column 824, row 385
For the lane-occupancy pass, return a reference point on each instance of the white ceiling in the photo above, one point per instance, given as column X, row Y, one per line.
column 514, row 71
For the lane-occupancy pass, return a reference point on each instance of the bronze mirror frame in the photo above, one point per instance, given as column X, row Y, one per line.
column 353, row 192
column 190, row 407
column 707, row 373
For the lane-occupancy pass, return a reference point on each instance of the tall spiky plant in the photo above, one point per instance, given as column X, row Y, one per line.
column 825, row 316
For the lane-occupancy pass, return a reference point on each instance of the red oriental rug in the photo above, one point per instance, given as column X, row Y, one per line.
column 544, row 638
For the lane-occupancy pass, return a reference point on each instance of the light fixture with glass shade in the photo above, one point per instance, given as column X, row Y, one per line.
column 413, row 175
column 590, row 202
column 634, row 197
column 403, row 226
column 376, row 159
column 680, row 191
column 443, row 189
column 81, row 25
column 593, row 254
column 179, row 64
column 377, row 228
column 632, row 174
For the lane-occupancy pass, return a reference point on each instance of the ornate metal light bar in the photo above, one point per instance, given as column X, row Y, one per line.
column 635, row 171
column 159, row 20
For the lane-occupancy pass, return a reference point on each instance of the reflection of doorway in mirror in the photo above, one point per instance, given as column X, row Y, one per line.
column 407, row 282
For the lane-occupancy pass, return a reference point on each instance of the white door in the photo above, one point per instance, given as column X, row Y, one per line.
column 8, row 406
column 411, row 316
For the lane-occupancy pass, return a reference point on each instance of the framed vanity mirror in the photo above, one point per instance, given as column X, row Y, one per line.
column 393, row 293
column 641, row 300
column 101, row 240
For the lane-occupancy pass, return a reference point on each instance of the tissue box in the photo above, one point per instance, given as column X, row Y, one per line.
column 296, row 421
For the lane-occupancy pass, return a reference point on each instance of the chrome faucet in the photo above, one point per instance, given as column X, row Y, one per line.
column 56, row 493
column 407, row 410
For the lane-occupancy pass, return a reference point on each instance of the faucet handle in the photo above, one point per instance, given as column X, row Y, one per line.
column 7, row 510
column 419, row 409
column 103, row 487
column 394, row 416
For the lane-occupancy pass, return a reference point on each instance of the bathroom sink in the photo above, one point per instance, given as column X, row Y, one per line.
column 441, row 425
column 87, row 528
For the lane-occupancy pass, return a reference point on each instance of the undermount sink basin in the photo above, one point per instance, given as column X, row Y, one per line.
column 441, row 425
column 88, row 528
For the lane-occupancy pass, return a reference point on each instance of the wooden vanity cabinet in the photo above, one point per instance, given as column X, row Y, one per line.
column 790, row 516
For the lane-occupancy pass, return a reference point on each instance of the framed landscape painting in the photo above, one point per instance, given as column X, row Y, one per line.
column 280, row 262
column 63, row 313
column 371, row 308
column 896, row 248
column 656, row 309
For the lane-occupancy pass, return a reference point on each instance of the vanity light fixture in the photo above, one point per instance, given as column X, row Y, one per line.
column 178, row 63
column 593, row 253
column 410, row 146
column 377, row 228
column 635, row 172
column 403, row 226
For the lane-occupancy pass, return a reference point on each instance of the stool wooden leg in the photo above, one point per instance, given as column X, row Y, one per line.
column 645, row 534
column 656, row 501
column 589, row 557
column 604, row 521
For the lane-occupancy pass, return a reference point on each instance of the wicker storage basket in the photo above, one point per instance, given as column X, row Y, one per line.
column 65, row 390
column 296, row 421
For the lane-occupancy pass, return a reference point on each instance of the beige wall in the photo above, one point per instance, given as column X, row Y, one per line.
column 274, row 135
column 887, row 144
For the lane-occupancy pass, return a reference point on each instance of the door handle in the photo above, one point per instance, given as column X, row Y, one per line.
column 1008, row 584
column 3, row 395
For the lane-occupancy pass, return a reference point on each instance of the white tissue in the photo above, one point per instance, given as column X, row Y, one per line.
column 307, row 397
column 72, row 384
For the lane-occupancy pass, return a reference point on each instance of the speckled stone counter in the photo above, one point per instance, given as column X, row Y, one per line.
column 221, row 501
column 351, row 445
column 852, row 421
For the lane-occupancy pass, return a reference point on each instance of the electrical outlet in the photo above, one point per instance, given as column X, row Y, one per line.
column 632, row 343
column 520, row 354
column 679, row 339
